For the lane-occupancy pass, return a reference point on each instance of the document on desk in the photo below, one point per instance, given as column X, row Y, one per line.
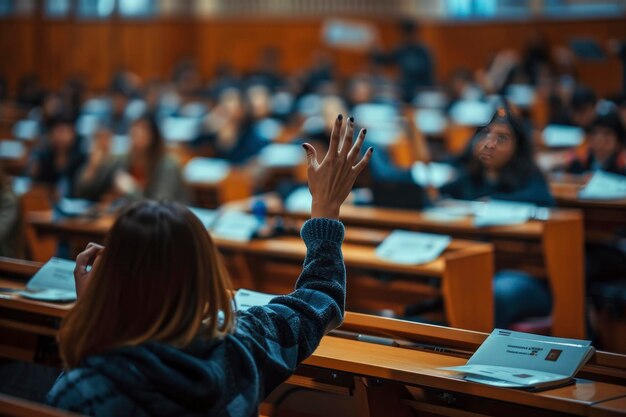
column 604, row 186
column 244, row 299
column 53, row 282
column 206, row 216
column 236, row 225
column 206, row 170
column 503, row 213
column 412, row 248
column 523, row 360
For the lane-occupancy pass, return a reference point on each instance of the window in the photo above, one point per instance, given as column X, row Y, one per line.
column 57, row 8
column 95, row 9
column 6, row 7
column 137, row 8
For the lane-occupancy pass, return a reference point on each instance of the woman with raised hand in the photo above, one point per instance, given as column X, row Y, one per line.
column 154, row 332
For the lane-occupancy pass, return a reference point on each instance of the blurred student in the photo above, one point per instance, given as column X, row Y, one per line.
column 9, row 218
column 583, row 107
column 173, row 344
column 605, row 150
column 147, row 171
column 229, row 129
column 412, row 58
column 498, row 164
column 60, row 158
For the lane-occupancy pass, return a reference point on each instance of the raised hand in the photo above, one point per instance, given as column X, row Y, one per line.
column 331, row 180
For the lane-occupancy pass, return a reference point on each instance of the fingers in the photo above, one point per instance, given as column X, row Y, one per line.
column 311, row 155
column 86, row 257
column 346, row 143
column 335, row 137
column 363, row 162
column 356, row 149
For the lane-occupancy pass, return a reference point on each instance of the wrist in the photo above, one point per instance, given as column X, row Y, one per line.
column 327, row 211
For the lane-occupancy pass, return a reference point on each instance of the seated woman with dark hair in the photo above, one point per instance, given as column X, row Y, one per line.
column 498, row 165
column 154, row 331
column 147, row 171
column 60, row 158
column 605, row 150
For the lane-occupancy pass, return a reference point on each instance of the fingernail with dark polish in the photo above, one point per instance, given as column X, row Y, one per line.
column 371, row 150
column 365, row 131
column 304, row 146
column 340, row 117
column 351, row 119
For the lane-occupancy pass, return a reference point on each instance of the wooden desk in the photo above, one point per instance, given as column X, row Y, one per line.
column 271, row 265
column 602, row 218
column 389, row 380
column 557, row 243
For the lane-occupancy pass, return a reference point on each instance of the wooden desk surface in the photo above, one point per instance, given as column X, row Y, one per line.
column 611, row 408
column 468, row 303
column 15, row 302
column 411, row 367
column 561, row 238
column 420, row 368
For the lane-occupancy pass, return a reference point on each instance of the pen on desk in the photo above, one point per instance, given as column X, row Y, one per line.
column 387, row 341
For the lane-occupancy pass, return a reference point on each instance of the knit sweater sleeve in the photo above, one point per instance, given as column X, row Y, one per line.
column 283, row 333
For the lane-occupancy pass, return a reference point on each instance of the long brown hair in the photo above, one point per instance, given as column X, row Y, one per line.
column 159, row 278
column 156, row 148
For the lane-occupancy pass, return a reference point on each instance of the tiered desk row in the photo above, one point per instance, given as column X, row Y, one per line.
column 379, row 379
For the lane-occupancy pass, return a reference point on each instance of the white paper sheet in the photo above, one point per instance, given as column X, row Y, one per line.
column 412, row 248
column 244, row 299
column 604, row 186
column 299, row 200
column 206, row 170
column 435, row 174
column 26, row 129
column 180, row 129
column 206, row 216
column 53, row 282
column 560, row 136
column 236, row 225
column 12, row 149
column 501, row 213
column 472, row 113
column 281, row 155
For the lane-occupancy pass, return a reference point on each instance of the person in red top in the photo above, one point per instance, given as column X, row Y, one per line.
column 605, row 150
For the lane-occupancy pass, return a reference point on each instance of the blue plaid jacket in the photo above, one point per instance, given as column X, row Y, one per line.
column 226, row 377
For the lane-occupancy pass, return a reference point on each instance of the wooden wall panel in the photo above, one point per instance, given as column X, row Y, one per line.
column 58, row 49
column 17, row 48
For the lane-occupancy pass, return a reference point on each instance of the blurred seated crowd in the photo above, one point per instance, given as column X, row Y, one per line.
column 134, row 139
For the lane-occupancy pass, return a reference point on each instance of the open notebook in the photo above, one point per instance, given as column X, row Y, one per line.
column 523, row 360
column 53, row 282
